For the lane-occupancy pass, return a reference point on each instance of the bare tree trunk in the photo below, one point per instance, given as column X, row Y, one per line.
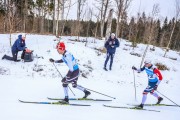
column 57, row 20
column 101, row 27
column 79, row 13
column 155, row 12
column 122, row 6
column 25, row 16
column 64, row 22
column 78, row 18
column 104, row 16
column 161, row 40
column 177, row 6
column 170, row 39
column 11, row 14
column 54, row 19
column 62, row 9
column 34, row 23
column 119, row 4
column 95, row 33
column 48, row 17
column 5, row 17
column 109, row 22
column 89, row 18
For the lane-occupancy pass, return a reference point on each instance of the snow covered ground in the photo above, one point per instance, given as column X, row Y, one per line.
column 19, row 80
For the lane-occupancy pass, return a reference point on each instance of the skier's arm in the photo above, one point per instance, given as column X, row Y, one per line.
column 142, row 69
column 138, row 70
column 158, row 73
column 58, row 61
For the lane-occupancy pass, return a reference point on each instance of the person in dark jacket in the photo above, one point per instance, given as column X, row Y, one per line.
column 19, row 45
column 111, row 44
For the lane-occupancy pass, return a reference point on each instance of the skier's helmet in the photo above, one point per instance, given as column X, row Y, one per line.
column 60, row 46
column 147, row 61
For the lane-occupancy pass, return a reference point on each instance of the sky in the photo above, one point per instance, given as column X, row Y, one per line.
column 167, row 8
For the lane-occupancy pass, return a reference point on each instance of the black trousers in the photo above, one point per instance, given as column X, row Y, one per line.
column 14, row 56
column 71, row 77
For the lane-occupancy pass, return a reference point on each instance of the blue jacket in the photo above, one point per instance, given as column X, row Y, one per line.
column 19, row 44
column 111, row 45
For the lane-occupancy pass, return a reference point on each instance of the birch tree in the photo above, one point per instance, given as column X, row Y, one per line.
column 103, row 8
column 80, row 6
column 11, row 17
column 177, row 8
column 122, row 6
column 109, row 22
column 150, row 28
column 57, row 19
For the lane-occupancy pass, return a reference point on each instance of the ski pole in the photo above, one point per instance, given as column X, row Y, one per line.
column 71, row 91
column 100, row 93
column 134, row 84
column 57, row 70
column 62, row 77
column 168, row 99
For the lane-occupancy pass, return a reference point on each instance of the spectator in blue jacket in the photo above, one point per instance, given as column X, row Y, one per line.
column 111, row 44
column 19, row 45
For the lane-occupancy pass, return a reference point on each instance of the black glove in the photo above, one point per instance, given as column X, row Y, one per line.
column 134, row 68
column 155, row 88
column 51, row 60
column 63, row 80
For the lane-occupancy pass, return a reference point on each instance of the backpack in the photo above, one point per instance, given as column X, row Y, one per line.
column 28, row 57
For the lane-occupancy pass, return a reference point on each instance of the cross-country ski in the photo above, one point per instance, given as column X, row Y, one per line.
column 89, row 59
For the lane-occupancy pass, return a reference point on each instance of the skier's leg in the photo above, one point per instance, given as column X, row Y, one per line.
column 86, row 92
column 65, row 90
column 148, row 89
column 157, row 96
column 66, row 99
column 154, row 94
column 144, row 97
column 145, row 92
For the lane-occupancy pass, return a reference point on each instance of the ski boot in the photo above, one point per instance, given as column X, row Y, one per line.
column 65, row 101
column 87, row 93
column 140, row 106
column 159, row 100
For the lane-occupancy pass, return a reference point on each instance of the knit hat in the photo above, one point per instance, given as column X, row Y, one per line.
column 23, row 35
column 112, row 34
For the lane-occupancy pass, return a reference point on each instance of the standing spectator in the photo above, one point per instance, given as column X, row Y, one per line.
column 111, row 44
